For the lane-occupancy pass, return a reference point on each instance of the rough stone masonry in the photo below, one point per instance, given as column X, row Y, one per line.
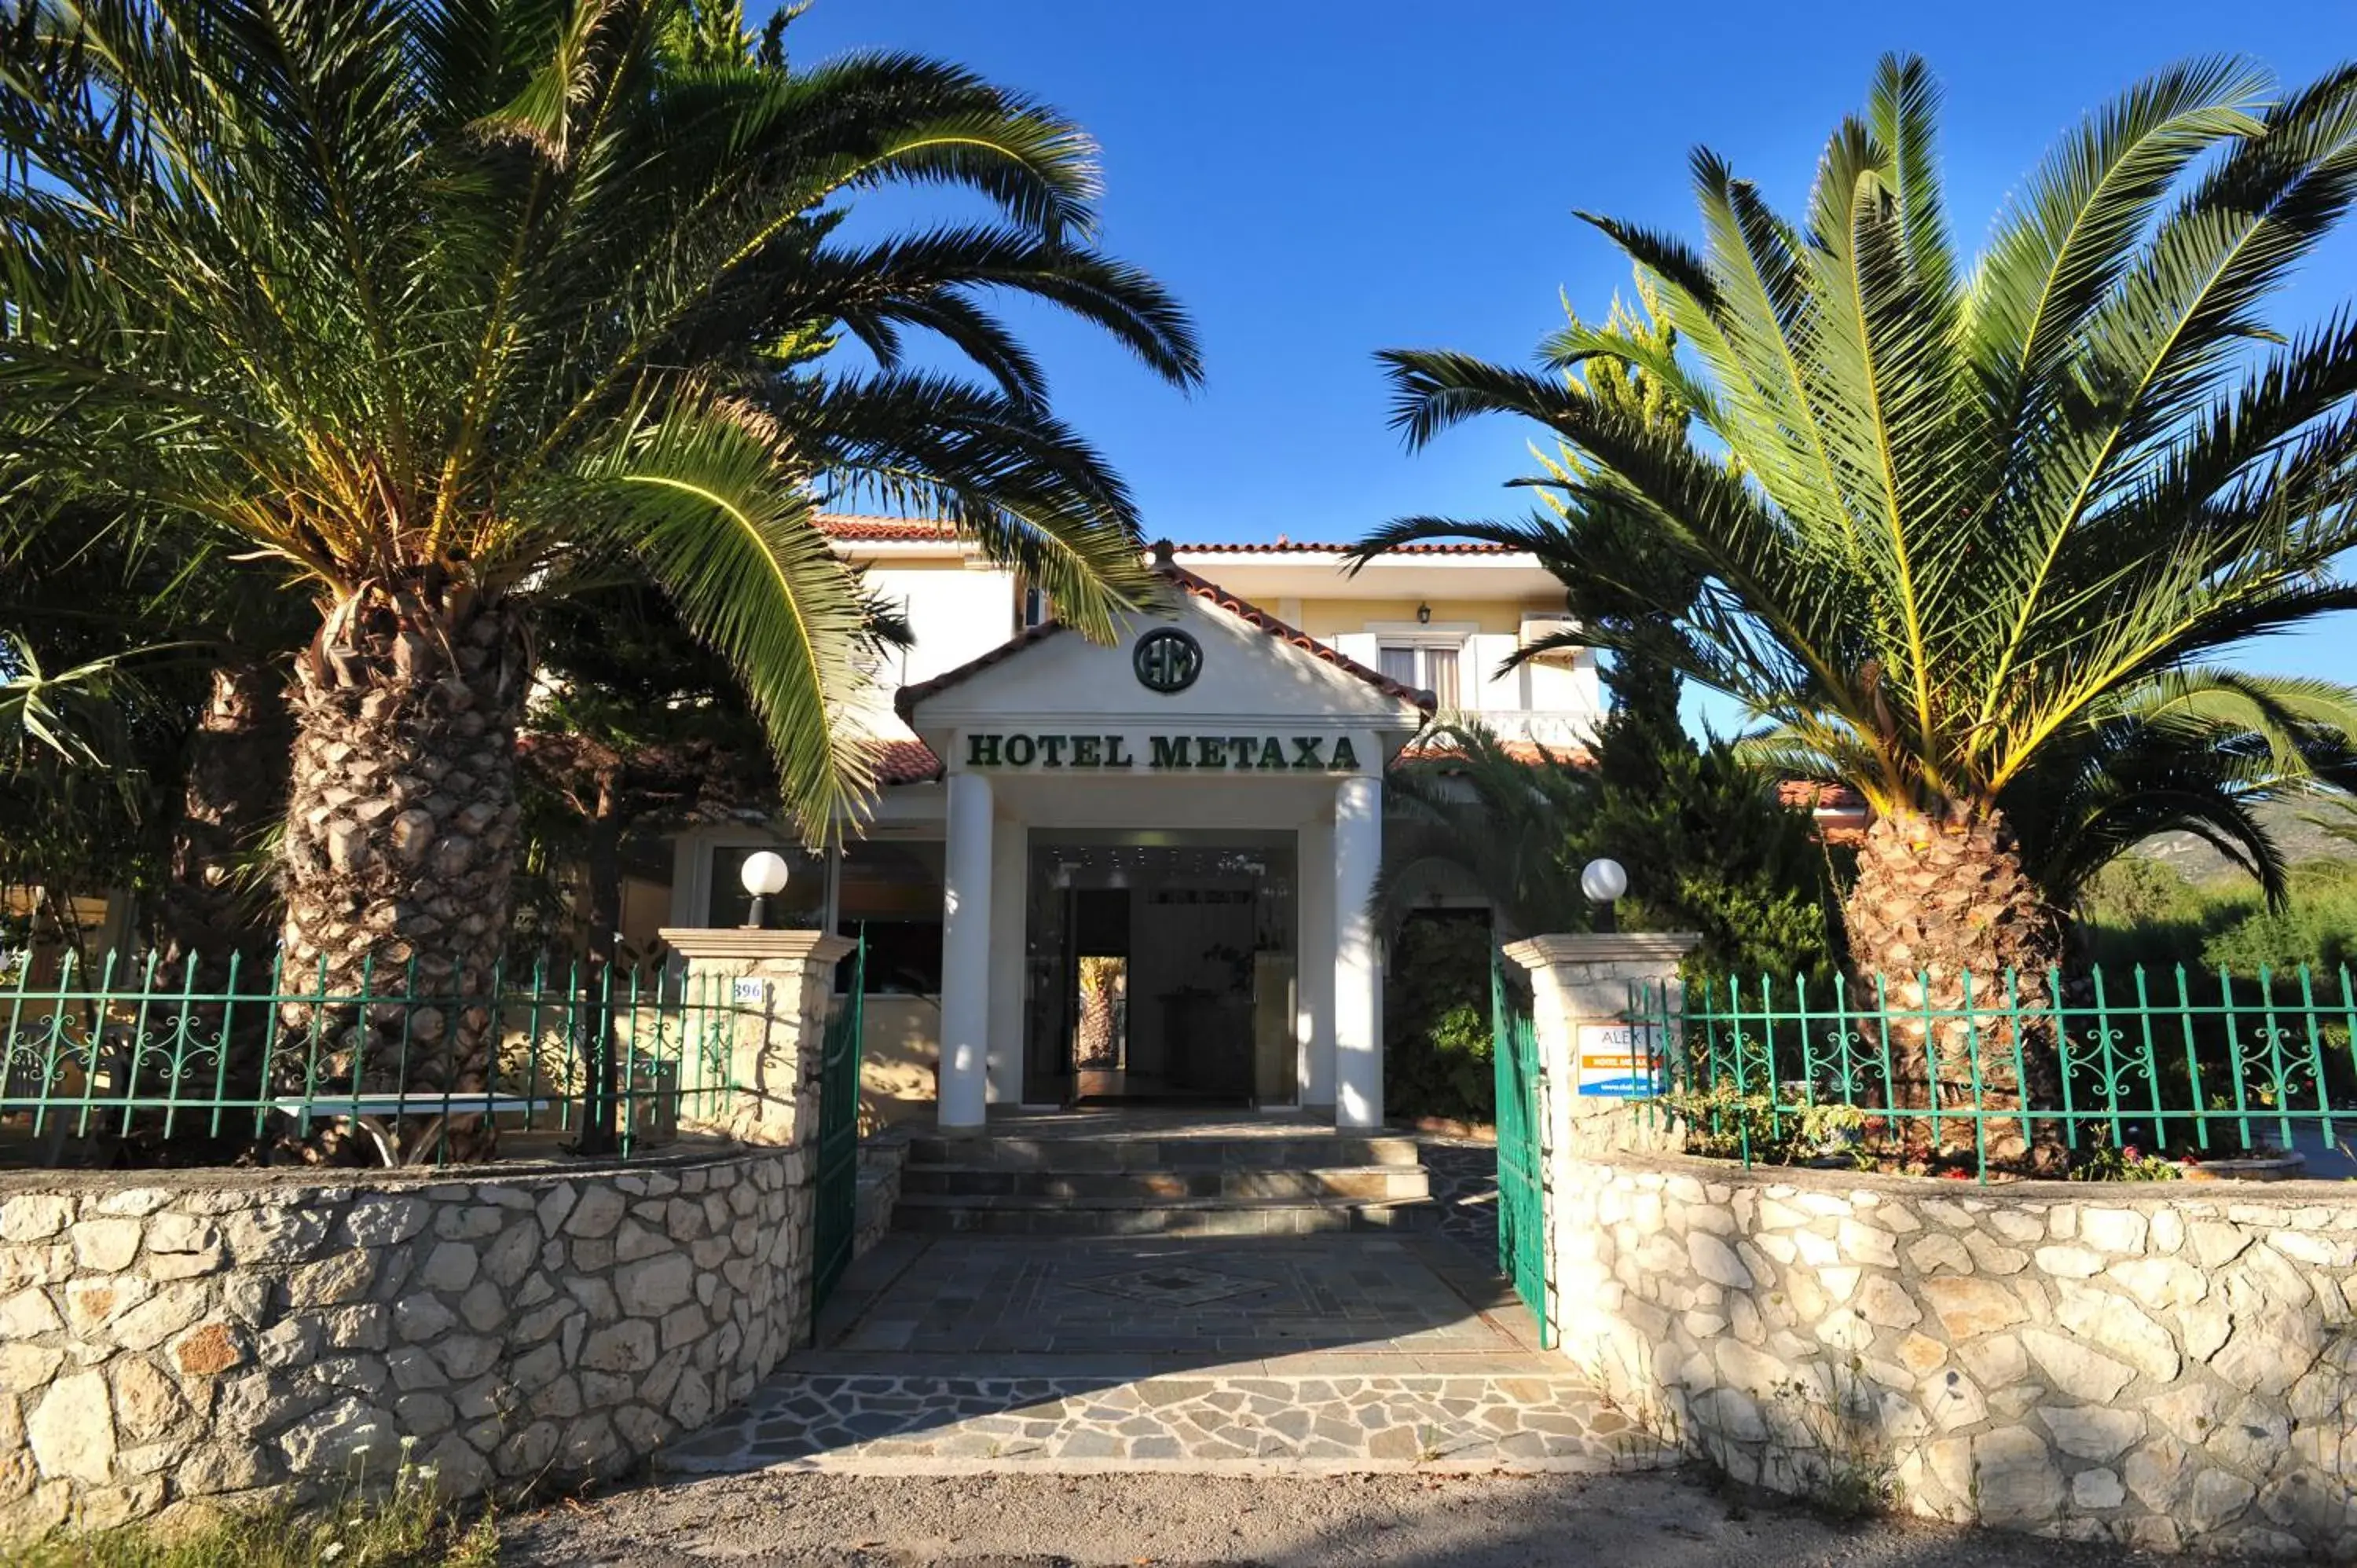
column 209, row 1335
column 2162, row 1366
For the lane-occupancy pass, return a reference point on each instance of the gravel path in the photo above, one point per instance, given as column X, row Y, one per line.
column 1654, row 1520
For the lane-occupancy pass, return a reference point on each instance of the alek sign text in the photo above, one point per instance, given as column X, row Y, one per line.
column 1620, row 1061
column 1232, row 753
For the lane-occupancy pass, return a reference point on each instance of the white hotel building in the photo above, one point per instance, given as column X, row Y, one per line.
column 1141, row 871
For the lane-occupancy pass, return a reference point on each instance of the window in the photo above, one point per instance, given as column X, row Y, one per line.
column 1032, row 607
column 801, row 907
column 1427, row 666
column 894, row 891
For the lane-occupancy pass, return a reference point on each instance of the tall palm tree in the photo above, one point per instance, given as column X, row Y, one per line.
column 1982, row 523
column 443, row 307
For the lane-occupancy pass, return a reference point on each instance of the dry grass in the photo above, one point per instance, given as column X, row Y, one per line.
column 404, row 1529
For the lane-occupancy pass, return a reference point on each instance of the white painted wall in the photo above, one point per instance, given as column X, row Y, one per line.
column 959, row 613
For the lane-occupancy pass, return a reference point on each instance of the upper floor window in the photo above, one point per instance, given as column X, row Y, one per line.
column 1427, row 666
column 1032, row 607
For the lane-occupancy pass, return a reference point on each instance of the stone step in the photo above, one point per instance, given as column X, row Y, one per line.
column 1013, row 1216
column 1252, row 1183
column 1172, row 1152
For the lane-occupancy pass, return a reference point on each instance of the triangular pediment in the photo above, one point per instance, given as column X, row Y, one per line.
column 1247, row 671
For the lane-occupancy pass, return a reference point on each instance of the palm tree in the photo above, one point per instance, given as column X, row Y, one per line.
column 1967, row 533
column 443, row 308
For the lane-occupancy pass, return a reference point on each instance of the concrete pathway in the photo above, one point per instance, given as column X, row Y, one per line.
column 1335, row 1352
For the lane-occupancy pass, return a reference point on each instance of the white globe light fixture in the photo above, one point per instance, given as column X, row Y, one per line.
column 764, row 876
column 1603, row 881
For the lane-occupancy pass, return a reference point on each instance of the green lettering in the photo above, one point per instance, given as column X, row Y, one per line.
column 982, row 751
column 1052, row 747
column 1345, row 759
column 1305, row 751
column 1170, row 751
column 1117, row 754
column 1029, row 751
column 1272, row 753
column 1211, row 751
column 1085, row 753
column 1242, row 749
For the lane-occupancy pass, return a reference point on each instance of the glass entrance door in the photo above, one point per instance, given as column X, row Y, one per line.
column 1160, row 969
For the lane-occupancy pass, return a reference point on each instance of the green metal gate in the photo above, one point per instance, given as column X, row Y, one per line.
column 1521, row 1224
column 837, row 1221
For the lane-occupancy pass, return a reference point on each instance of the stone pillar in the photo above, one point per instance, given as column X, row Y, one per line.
column 964, row 1096
column 1358, row 981
column 1580, row 982
column 782, row 986
column 779, row 986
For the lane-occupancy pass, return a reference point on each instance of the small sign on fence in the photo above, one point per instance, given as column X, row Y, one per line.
column 1619, row 1061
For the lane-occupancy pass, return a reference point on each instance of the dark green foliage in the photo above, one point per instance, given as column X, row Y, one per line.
column 1708, row 848
column 491, row 297
column 2139, row 912
column 1436, row 1039
column 1983, row 539
column 1707, row 845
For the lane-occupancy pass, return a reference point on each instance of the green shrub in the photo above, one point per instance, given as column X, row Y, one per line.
column 2140, row 912
column 1438, row 1046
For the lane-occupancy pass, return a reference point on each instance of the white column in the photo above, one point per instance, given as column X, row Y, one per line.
column 1358, row 998
column 966, row 957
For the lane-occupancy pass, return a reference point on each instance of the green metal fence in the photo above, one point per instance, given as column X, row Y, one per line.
column 130, row 1061
column 1521, row 1211
column 2122, row 1070
column 835, row 1226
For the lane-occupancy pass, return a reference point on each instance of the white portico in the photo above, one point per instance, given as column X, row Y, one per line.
column 1159, row 856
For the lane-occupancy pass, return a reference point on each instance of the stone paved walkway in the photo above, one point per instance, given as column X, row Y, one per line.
column 1336, row 1352
column 1463, row 1173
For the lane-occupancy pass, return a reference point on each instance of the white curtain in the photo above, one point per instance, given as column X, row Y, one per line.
column 1440, row 676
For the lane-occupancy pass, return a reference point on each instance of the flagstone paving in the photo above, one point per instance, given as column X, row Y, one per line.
column 1336, row 1352
column 1463, row 1173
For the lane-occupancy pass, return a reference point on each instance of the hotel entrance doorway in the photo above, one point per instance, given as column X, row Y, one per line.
column 1160, row 969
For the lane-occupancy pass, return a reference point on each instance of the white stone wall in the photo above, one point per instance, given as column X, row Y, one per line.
column 213, row 1334
column 2164, row 1366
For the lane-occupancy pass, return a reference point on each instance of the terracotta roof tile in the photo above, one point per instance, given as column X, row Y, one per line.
column 1253, row 614
column 906, row 701
column 856, row 528
column 1820, row 796
column 1530, row 751
column 887, row 530
column 1297, row 546
column 905, row 762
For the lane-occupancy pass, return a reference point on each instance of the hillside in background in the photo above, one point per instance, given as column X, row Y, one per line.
column 2297, row 827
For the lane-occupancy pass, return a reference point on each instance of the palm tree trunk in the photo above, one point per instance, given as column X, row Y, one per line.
column 1943, row 917
column 400, row 840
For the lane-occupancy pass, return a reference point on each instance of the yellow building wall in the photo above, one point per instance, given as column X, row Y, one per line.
column 1337, row 617
column 899, row 1039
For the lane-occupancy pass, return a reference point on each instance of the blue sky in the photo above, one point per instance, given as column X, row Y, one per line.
column 1318, row 180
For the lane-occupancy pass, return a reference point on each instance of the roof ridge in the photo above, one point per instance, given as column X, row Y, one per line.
column 1253, row 614
column 1201, row 587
